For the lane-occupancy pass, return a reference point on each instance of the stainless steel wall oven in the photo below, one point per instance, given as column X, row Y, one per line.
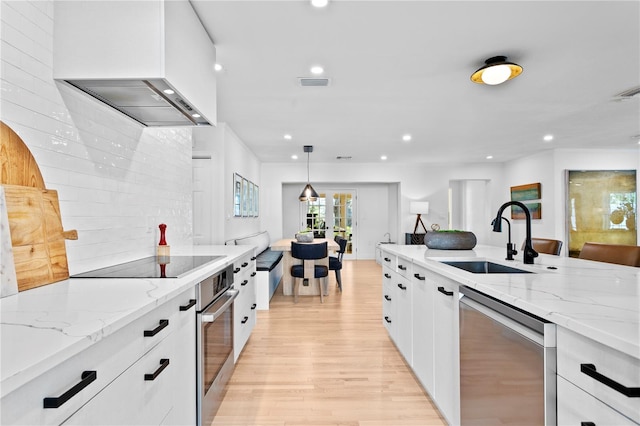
column 214, row 339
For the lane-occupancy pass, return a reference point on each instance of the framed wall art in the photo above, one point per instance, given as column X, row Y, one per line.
column 529, row 192
column 245, row 197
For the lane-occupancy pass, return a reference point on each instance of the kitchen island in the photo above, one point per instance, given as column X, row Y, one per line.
column 595, row 306
column 42, row 329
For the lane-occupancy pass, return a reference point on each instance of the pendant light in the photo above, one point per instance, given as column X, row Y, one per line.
column 308, row 193
column 497, row 70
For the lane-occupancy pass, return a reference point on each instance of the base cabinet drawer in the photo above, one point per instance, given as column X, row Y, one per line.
column 597, row 369
column 576, row 407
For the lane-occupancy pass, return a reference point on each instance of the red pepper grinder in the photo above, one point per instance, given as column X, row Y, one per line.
column 163, row 248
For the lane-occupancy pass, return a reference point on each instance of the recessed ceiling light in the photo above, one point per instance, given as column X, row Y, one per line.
column 217, row 67
column 317, row 70
column 168, row 91
column 548, row 138
column 195, row 115
column 383, row 157
column 294, row 157
column 489, row 157
column 288, row 137
column 406, row 137
column 319, row 3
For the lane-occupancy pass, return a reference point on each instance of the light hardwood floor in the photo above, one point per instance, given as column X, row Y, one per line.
column 326, row 364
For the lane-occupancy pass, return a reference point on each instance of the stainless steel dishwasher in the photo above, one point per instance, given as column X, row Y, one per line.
column 507, row 364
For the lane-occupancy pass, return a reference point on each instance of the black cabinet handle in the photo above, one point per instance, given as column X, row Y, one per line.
column 150, row 333
column 235, row 271
column 244, row 320
column 419, row 277
column 387, row 320
column 253, row 258
column 253, row 306
column 387, row 276
column 244, row 265
column 587, row 424
column 164, row 362
column 386, row 296
column 192, row 303
column 245, row 282
column 55, row 402
column 445, row 292
column 386, row 259
column 253, row 274
column 402, row 267
column 402, row 287
column 590, row 370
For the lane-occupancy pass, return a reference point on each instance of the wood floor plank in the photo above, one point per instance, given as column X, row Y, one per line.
column 328, row 363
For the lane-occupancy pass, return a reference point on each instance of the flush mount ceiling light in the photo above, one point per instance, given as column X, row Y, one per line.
column 319, row 3
column 308, row 193
column 496, row 71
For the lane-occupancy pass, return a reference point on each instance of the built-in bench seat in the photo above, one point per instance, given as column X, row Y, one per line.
column 268, row 267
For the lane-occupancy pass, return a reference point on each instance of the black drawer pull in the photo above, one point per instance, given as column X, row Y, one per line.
column 590, row 370
column 245, row 282
column 387, row 276
column 244, row 320
column 402, row 287
column 55, row 402
column 402, row 267
column 244, row 265
column 386, row 259
column 253, row 306
column 164, row 362
column 445, row 292
column 235, row 271
column 253, row 274
column 419, row 277
column 192, row 303
column 587, row 424
column 253, row 258
column 150, row 333
column 387, row 320
column 387, row 297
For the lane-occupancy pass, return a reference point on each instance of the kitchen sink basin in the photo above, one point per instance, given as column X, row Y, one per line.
column 485, row 267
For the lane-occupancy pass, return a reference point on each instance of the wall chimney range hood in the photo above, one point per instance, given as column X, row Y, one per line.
column 151, row 60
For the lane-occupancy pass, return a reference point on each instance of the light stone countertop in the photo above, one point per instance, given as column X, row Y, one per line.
column 42, row 327
column 595, row 299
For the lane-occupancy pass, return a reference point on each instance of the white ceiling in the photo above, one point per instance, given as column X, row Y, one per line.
column 401, row 67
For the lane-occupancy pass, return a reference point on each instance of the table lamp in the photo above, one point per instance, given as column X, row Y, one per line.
column 419, row 208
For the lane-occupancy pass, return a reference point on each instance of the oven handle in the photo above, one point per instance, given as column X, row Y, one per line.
column 211, row 317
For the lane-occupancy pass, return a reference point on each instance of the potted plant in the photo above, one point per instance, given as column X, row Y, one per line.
column 450, row 239
column 304, row 236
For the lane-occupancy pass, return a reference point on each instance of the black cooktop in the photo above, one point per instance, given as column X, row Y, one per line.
column 151, row 267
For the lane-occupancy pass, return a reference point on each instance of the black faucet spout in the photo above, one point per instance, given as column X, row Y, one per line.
column 528, row 253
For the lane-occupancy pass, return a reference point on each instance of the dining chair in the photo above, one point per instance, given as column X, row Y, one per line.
column 546, row 246
column 308, row 253
column 335, row 262
column 611, row 253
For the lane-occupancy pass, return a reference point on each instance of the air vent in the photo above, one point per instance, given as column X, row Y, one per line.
column 313, row 82
column 343, row 157
column 634, row 91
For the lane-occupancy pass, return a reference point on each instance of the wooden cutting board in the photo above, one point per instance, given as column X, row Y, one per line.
column 35, row 223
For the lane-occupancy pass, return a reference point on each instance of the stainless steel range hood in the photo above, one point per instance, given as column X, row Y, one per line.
column 156, row 68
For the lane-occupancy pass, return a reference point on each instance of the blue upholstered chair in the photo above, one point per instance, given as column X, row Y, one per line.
column 308, row 253
column 335, row 263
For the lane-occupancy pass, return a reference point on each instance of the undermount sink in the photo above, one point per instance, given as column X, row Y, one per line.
column 485, row 267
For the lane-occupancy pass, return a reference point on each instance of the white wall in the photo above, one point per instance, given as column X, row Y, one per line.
column 116, row 180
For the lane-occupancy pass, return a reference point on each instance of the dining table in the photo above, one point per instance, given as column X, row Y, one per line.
column 284, row 245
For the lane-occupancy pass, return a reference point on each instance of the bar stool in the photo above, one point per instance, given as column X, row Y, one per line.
column 545, row 245
column 611, row 253
column 308, row 253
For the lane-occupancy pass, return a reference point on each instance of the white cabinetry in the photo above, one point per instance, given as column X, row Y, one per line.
column 244, row 307
column 603, row 374
column 423, row 343
column 396, row 303
column 119, row 394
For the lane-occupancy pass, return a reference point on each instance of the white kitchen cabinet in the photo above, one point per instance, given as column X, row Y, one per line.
column 580, row 358
column 446, row 346
column 244, row 307
column 402, row 288
column 114, row 360
column 388, row 297
column 422, row 334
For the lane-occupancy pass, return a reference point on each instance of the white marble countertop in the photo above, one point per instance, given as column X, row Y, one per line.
column 598, row 300
column 42, row 327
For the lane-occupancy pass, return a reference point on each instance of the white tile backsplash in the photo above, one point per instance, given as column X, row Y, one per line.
column 116, row 180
